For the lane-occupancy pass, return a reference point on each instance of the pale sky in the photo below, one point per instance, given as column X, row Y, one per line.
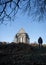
column 34, row 28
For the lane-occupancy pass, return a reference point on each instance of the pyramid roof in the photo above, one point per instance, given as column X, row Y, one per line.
column 21, row 31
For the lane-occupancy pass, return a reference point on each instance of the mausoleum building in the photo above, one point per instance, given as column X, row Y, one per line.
column 21, row 37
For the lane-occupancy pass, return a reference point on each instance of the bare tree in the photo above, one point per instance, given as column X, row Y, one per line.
column 9, row 8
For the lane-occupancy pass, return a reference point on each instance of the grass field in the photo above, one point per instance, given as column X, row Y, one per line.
column 22, row 54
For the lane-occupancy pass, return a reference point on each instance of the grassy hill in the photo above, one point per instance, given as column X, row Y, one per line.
column 22, row 54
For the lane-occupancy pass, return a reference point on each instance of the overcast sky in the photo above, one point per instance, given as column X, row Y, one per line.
column 34, row 28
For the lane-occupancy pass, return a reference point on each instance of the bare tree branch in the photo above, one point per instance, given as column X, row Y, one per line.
column 9, row 8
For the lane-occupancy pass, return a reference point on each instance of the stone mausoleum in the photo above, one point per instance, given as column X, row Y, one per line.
column 21, row 37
